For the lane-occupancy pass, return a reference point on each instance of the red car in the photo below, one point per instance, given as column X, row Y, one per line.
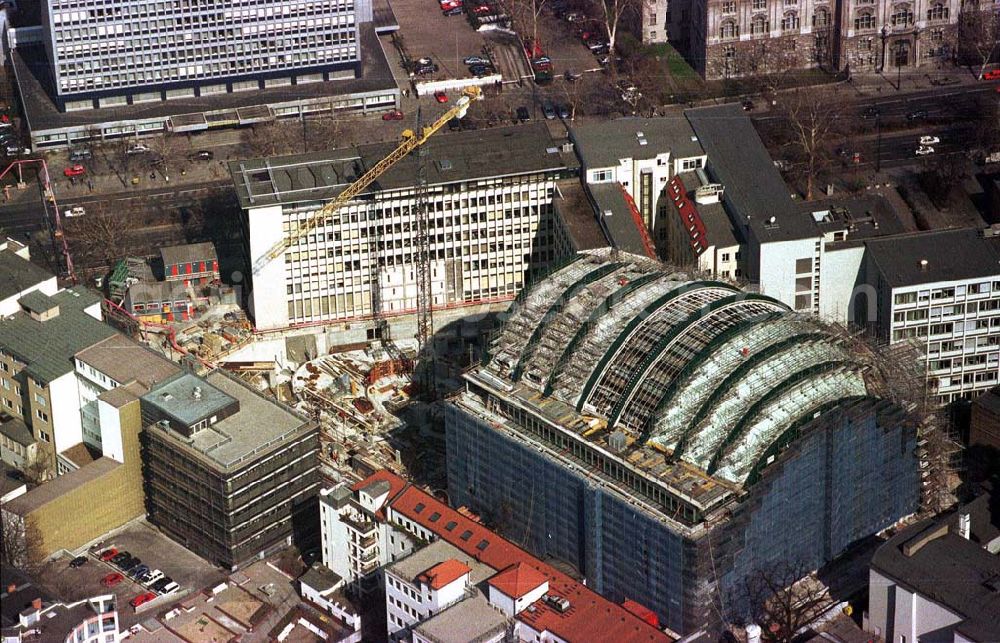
column 441, row 97
column 112, row 579
column 993, row 74
column 142, row 598
column 450, row 4
column 394, row 115
column 108, row 554
column 75, row 170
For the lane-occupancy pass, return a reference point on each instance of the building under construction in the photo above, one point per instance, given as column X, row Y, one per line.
column 670, row 437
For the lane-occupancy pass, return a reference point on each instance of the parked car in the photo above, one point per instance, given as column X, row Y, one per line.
column 145, row 597
column 454, row 125
column 79, row 561
column 138, row 571
column 993, row 74
column 201, row 155
column 454, row 11
column 137, row 148
column 480, row 70
column 747, row 105
column 75, row 170
column 121, row 557
column 130, row 564
column 170, row 588
column 150, row 578
column 12, row 149
column 870, row 112
column 422, row 69
column 929, row 140
column 924, row 150
column 112, row 579
column 476, row 60
column 572, row 76
column 917, row 115
column 394, row 115
column 108, row 554
column 441, row 97
column 76, row 211
column 446, row 6
column 548, row 110
column 523, row 114
column 80, row 155
column 160, row 584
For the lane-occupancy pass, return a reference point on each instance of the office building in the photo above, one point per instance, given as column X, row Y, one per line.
column 490, row 197
column 227, row 471
column 455, row 580
column 100, row 479
column 941, row 291
column 727, row 39
column 111, row 69
column 38, row 382
column 939, row 579
column 669, row 437
column 18, row 276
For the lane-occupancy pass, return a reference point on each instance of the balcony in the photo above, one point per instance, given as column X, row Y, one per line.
column 368, row 541
column 363, row 526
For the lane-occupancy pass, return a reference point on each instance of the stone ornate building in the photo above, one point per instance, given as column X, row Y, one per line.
column 728, row 38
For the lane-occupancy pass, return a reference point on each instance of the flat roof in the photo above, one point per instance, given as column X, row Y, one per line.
column 471, row 619
column 948, row 569
column 449, row 157
column 17, row 274
column 48, row 347
column 578, row 216
column 951, row 255
column 619, row 225
column 754, row 188
column 605, row 143
column 33, row 72
column 124, row 361
column 53, row 489
column 434, row 554
column 321, row 578
column 187, row 398
column 260, row 425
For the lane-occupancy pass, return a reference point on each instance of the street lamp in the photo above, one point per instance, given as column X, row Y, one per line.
column 885, row 51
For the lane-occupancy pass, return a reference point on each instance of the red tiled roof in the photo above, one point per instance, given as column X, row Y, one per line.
column 591, row 617
column 396, row 483
column 690, row 219
column 444, row 573
column 517, row 580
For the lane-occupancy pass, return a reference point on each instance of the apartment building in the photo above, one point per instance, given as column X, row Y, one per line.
column 227, row 471
column 941, row 291
column 730, row 38
column 95, row 69
column 938, row 579
column 490, row 200
column 29, row 615
column 38, row 383
column 20, row 276
column 457, row 580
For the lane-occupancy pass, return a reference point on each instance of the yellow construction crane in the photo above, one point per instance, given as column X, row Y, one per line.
column 410, row 141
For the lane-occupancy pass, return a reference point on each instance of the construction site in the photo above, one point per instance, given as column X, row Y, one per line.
column 727, row 432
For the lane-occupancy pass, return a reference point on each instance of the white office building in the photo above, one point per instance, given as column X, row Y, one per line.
column 490, row 200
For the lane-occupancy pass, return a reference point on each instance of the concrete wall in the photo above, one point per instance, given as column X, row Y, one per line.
column 839, row 274
column 99, row 506
column 897, row 614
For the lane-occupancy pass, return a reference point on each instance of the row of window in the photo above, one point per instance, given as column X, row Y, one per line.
column 923, row 296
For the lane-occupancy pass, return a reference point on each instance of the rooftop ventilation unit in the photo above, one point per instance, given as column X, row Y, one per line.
column 557, row 603
column 711, row 193
column 196, row 393
column 617, row 441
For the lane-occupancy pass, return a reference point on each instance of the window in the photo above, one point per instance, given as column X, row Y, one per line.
column 729, row 7
column 803, row 302
column 43, row 416
column 822, row 17
column 40, row 399
column 602, row 175
column 725, row 256
column 651, row 18
column 790, row 22
column 902, row 15
column 690, row 164
column 759, row 5
column 758, row 26
column 44, row 436
column 865, row 20
column 938, row 11
column 729, row 30
column 803, row 266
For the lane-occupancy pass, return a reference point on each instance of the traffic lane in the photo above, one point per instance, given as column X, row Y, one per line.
column 900, row 149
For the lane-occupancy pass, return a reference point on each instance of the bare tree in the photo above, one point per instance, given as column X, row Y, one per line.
column 273, row 138
column 783, row 598
column 812, row 117
column 978, row 35
column 322, row 133
column 102, row 235
column 612, row 12
column 169, row 150
column 525, row 14
column 20, row 541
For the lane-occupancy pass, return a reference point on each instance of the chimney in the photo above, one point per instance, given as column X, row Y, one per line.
column 36, row 604
column 196, row 393
column 964, row 525
column 923, row 264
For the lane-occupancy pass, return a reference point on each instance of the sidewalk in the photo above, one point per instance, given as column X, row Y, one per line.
column 913, row 80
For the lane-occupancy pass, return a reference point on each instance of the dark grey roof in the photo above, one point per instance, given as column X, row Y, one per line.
column 719, row 230
column 34, row 77
column 450, row 157
column 187, row 398
column 603, row 144
column 26, row 591
column 951, row 255
column 37, row 302
column 10, row 479
column 48, row 347
column 204, row 251
column 619, row 226
column 17, row 274
column 467, row 621
column 864, row 217
column 739, row 161
column 16, row 430
column 949, row 570
column 578, row 216
column 321, row 578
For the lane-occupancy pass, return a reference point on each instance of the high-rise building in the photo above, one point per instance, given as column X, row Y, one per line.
column 132, row 51
column 490, row 197
column 227, row 471
column 670, row 437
